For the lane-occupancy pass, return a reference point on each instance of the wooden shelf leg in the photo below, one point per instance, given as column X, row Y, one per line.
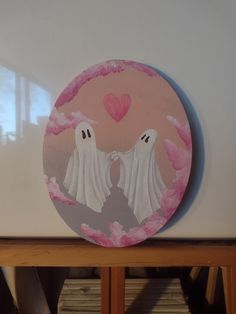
column 117, row 290
column 211, row 284
column 105, row 290
column 229, row 279
column 195, row 271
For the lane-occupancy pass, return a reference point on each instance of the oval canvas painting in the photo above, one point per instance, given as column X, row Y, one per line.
column 117, row 153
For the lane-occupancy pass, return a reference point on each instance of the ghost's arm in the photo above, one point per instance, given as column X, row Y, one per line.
column 125, row 167
column 113, row 156
column 69, row 172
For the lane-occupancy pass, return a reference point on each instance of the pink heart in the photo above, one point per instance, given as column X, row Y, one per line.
column 117, row 107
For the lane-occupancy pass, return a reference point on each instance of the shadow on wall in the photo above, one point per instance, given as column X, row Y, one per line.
column 198, row 156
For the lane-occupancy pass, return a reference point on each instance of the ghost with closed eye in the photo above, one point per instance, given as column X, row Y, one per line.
column 140, row 178
column 87, row 177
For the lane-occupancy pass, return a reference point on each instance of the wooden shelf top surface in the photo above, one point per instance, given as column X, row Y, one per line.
column 78, row 252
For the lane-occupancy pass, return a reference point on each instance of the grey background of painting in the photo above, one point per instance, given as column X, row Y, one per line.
column 114, row 209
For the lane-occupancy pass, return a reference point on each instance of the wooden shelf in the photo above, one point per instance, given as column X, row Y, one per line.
column 71, row 252
column 152, row 253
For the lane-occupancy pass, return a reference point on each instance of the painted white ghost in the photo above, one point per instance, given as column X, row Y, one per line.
column 140, row 177
column 87, row 176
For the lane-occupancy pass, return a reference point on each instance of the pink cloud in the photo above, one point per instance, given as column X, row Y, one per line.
column 96, row 235
column 58, row 121
column 118, row 237
column 117, row 233
column 181, row 161
column 141, row 67
column 178, row 156
column 183, row 131
column 101, row 69
column 55, row 192
column 171, row 197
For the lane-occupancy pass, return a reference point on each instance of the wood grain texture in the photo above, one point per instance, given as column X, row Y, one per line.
column 194, row 273
column 88, row 296
column 105, row 290
column 151, row 253
column 211, row 284
column 229, row 280
column 147, row 297
column 35, row 252
column 82, row 295
column 117, row 290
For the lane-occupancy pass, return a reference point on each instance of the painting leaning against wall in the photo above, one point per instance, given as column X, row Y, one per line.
column 117, row 153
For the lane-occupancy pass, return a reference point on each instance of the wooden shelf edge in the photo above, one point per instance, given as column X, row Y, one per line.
column 78, row 252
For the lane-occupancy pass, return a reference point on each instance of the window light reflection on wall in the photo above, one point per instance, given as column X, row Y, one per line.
column 21, row 101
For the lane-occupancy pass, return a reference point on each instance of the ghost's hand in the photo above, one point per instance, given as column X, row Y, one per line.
column 114, row 155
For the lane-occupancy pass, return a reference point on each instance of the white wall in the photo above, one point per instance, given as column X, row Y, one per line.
column 50, row 42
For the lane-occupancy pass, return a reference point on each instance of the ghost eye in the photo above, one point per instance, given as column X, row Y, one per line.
column 143, row 137
column 83, row 134
column 146, row 141
column 88, row 132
